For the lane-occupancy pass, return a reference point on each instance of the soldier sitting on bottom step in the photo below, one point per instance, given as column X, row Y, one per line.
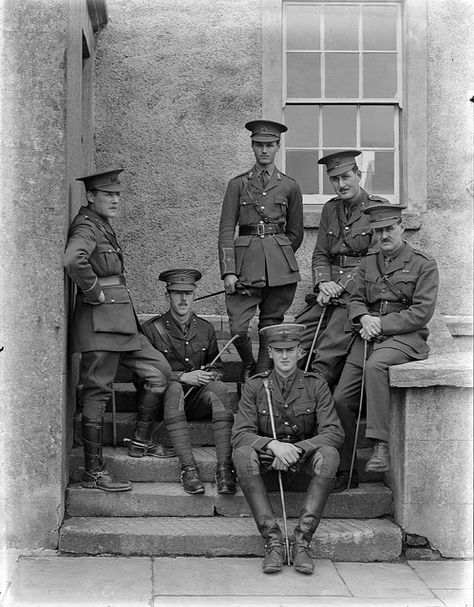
column 297, row 408
column 195, row 391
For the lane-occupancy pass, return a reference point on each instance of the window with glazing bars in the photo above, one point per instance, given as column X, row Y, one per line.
column 342, row 90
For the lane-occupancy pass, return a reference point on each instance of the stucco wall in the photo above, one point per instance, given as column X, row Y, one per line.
column 177, row 80
column 32, row 226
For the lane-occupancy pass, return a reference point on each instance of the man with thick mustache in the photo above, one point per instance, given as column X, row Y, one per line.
column 392, row 301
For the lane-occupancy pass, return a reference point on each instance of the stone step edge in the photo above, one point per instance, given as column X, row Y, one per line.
column 337, row 539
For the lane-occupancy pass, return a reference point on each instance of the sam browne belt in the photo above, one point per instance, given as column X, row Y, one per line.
column 110, row 281
column 261, row 229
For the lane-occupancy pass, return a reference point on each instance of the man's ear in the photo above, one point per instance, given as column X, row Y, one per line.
column 270, row 352
column 89, row 196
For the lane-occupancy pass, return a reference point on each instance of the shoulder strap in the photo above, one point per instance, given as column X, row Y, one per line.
column 395, row 290
column 163, row 333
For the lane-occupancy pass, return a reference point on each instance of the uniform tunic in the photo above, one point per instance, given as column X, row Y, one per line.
column 342, row 242
column 308, row 404
column 92, row 252
column 195, row 348
column 270, row 260
column 106, row 333
column 403, row 338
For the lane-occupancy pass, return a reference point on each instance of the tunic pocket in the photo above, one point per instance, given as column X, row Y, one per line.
column 115, row 315
column 285, row 245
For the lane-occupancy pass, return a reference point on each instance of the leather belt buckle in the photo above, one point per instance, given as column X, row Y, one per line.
column 342, row 261
column 383, row 306
column 261, row 230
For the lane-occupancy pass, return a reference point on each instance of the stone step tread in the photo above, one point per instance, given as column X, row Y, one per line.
column 369, row 500
column 336, row 539
column 167, row 470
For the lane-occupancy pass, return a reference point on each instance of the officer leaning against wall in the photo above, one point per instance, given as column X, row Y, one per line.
column 105, row 328
column 393, row 299
column 259, row 267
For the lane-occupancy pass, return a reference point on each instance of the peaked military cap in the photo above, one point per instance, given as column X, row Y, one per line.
column 265, row 130
column 339, row 162
column 384, row 215
column 107, row 181
column 180, row 280
column 285, row 335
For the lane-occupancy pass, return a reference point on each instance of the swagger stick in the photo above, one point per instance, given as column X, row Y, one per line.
column 215, row 359
column 280, row 482
column 362, row 382
column 316, row 333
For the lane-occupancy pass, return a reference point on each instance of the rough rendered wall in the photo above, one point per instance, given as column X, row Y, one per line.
column 175, row 83
column 32, row 228
column 447, row 227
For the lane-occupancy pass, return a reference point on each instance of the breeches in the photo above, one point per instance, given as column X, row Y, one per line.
column 99, row 368
column 203, row 401
column 272, row 302
column 322, row 462
column 377, row 391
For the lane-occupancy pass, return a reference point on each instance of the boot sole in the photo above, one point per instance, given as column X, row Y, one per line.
column 266, row 571
column 377, row 468
column 92, row 486
column 304, row 570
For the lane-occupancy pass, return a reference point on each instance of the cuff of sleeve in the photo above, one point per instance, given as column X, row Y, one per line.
column 261, row 442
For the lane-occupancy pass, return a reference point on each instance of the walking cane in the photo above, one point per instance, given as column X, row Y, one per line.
column 280, row 482
column 316, row 333
column 362, row 382
column 215, row 359
column 114, row 420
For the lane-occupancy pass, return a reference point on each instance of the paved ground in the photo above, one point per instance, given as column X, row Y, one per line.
column 49, row 579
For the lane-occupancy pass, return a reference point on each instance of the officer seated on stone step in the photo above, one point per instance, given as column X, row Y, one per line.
column 392, row 301
column 196, row 389
column 308, row 435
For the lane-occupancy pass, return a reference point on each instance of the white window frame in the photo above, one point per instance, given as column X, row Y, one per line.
column 412, row 136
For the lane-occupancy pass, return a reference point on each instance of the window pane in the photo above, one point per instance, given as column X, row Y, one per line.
column 302, row 27
column 303, row 75
column 379, row 28
column 342, row 75
column 378, row 172
column 341, row 28
column 302, row 123
column 380, row 75
column 376, row 126
column 302, row 166
column 327, row 187
column 339, row 125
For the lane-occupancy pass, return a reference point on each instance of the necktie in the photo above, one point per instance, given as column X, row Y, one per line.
column 264, row 177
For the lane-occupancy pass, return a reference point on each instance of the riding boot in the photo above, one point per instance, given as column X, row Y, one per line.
column 222, row 427
column 95, row 475
column 310, row 515
column 147, row 409
column 243, row 346
column 256, row 495
column 264, row 362
column 178, row 432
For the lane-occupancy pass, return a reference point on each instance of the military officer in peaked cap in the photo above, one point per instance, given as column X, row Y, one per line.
column 258, row 266
column 196, row 389
column 308, row 435
column 105, row 328
column 343, row 240
column 393, row 299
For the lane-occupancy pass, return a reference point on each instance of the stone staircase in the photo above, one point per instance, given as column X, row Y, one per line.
column 158, row 518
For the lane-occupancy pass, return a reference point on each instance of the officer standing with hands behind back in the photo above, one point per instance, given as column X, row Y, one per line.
column 258, row 266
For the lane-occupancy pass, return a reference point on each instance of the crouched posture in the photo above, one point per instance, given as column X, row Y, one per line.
column 308, row 435
column 195, row 391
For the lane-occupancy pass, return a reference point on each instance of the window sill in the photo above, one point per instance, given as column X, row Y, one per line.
column 312, row 217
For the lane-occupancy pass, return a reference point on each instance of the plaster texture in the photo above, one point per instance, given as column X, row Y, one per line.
column 32, row 226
